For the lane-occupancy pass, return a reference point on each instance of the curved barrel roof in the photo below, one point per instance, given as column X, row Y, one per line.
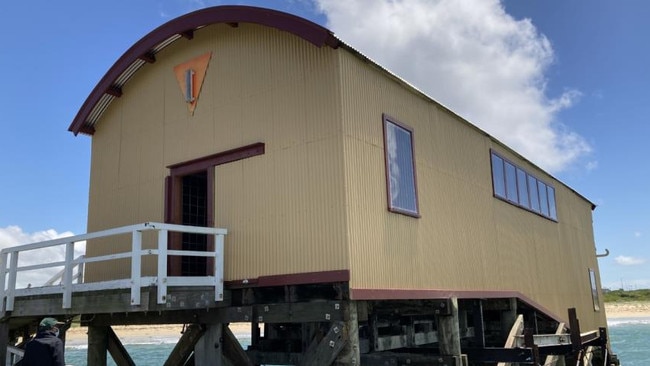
column 144, row 51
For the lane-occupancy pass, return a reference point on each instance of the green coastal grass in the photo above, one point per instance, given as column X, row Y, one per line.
column 627, row 296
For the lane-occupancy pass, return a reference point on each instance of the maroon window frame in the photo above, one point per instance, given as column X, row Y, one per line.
column 401, row 176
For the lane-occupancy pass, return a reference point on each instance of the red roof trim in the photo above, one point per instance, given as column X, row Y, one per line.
column 185, row 26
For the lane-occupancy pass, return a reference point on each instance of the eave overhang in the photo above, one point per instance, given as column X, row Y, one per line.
column 144, row 51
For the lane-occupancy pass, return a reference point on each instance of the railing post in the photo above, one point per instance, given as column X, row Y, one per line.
column 162, row 266
column 11, row 286
column 80, row 270
column 218, row 267
column 67, row 275
column 136, row 266
column 3, row 276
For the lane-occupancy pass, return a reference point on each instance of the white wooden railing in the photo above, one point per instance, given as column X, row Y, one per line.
column 9, row 265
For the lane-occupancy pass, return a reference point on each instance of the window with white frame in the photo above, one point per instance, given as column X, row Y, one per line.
column 400, row 168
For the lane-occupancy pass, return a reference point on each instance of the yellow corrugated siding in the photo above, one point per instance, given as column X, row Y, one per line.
column 465, row 239
column 316, row 200
column 285, row 209
column 286, row 220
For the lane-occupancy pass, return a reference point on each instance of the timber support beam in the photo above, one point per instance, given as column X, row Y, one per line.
column 185, row 346
column 98, row 344
column 324, row 351
column 449, row 334
column 119, row 354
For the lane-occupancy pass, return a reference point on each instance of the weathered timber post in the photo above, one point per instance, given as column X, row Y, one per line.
column 97, row 345
column 449, row 332
column 576, row 340
column 4, row 340
column 479, row 329
column 350, row 354
column 115, row 347
column 208, row 351
column 185, row 346
column 232, row 350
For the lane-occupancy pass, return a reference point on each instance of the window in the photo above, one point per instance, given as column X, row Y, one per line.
column 497, row 177
column 534, row 193
column 543, row 198
column 513, row 184
column 594, row 289
column 551, row 203
column 522, row 188
column 400, row 168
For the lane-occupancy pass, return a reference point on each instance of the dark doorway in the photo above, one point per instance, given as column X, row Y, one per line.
column 194, row 213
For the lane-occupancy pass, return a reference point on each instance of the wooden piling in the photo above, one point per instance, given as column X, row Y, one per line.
column 208, row 350
column 4, row 340
column 449, row 332
column 97, row 344
column 350, row 355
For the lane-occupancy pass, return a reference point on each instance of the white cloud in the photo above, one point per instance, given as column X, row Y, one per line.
column 473, row 57
column 637, row 234
column 591, row 165
column 13, row 235
column 628, row 261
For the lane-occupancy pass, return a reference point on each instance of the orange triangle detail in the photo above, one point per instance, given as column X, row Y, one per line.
column 190, row 76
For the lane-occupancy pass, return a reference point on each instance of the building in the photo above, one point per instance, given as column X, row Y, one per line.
column 336, row 181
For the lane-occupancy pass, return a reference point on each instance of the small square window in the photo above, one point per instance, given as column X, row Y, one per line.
column 400, row 168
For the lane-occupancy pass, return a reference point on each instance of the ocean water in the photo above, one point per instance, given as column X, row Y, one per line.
column 630, row 339
column 149, row 353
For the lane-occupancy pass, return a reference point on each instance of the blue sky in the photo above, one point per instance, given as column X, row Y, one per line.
column 564, row 82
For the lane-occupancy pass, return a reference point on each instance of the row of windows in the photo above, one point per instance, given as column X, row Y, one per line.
column 515, row 185
column 510, row 182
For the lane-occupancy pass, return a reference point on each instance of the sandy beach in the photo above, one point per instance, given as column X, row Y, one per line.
column 76, row 336
column 157, row 333
column 632, row 309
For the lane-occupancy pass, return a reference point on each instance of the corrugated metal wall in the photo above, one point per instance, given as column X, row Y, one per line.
column 285, row 209
column 465, row 239
column 316, row 200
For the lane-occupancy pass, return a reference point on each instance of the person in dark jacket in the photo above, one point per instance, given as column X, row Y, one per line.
column 46, row 349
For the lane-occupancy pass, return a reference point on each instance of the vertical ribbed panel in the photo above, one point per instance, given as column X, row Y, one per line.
column 465, row 239
column 316, row 200
column 284, row 210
